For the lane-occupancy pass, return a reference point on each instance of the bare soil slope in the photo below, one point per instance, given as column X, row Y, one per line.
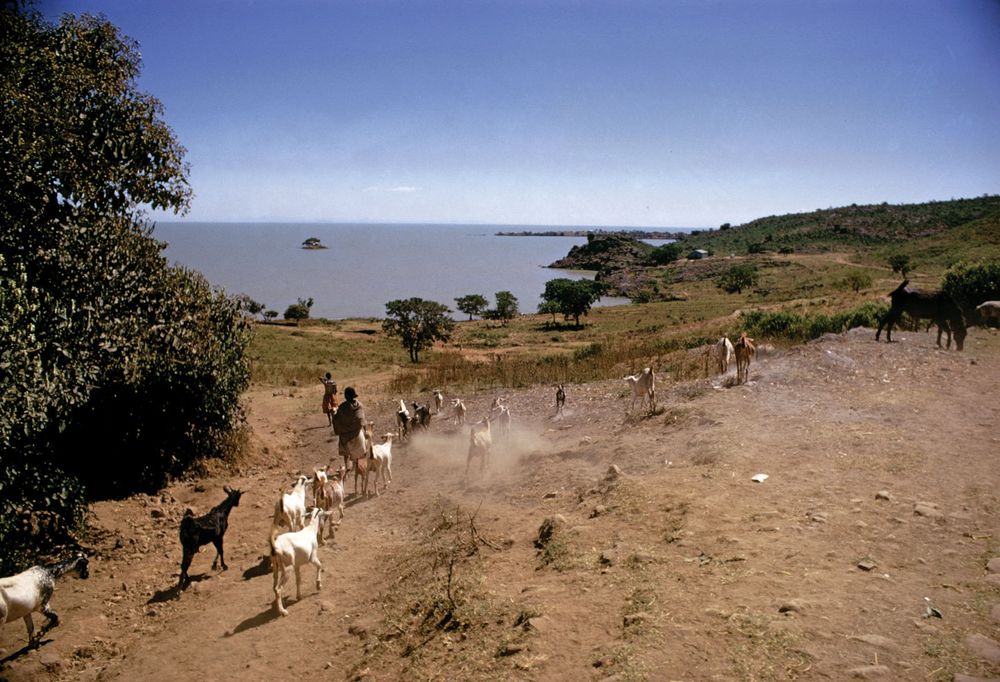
column 881, row 511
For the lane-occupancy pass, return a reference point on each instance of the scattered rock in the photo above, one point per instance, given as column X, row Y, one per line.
column 875, row 640
column 983, row 647
column 869, row 672
column 883, row 495
column 613, row 474
column 927, row 509
column 995, row 613
column 598, row 511
column 993, row 565
column 511, row 649
column 157, row 513
column 50, row 662
column 540, row 623
column 867, row 565
column 959, row 677
column 792, row 606
column 550, row 495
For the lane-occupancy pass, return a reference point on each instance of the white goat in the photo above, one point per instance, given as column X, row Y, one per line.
column 480, row 443
column 458, row 411
column 723, row 354
column 402, row 421
column 988, row 310
column 745, row 350
column 30, row 591
column 290, row 509
column 296, row 549
column 643, row 387
column 382, row 463
column 503, row 424
column 438, row 401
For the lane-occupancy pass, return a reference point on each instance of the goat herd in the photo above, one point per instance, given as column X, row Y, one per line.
column 297, row 531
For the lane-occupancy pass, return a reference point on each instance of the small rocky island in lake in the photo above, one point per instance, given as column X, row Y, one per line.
column 313, row 243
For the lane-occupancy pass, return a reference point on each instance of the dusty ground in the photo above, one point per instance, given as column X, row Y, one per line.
column 680, row 568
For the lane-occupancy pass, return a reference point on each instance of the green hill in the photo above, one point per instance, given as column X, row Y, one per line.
column 938, row 229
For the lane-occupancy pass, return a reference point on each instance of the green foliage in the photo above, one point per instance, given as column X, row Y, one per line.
column 970, row 284
column 858, row 280
column 573, row 297
column 900, row 263
column 104, row 348
column 417, row 323
column 867, row 227
column 795, row 327
column 665, row 254
column 299, row 310
column 737, row 278
column 506, row 309
column 472, row 304
column 270, row 314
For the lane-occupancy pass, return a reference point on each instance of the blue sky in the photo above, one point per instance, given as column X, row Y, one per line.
column 569, row 113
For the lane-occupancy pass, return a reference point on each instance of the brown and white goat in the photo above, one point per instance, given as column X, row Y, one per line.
column 744, row 351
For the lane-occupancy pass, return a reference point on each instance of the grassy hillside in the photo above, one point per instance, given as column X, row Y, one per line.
column 799, row 294
column 936, row 231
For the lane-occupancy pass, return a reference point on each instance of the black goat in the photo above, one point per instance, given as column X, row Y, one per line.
column 936, row 306
column 421, row 416
column 202, row 530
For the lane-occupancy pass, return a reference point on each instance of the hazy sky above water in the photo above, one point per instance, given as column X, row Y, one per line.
column 569, row 113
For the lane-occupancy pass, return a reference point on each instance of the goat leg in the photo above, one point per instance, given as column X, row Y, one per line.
column 220, row 556
column 185, row 565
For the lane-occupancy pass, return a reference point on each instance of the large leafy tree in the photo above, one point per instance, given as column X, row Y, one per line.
column 506, row 309
column 472, row 304
column 572, row 297
column 101, row 342
column 417, row 323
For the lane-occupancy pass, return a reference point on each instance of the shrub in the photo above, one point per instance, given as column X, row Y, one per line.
column 102, row 344
column 738, row 278
column 858, row 280
column 970, row 284
column 300, row 310
column 795, row 327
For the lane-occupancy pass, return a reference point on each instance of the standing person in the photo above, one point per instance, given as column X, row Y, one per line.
column 329, row 397
column 348, row 421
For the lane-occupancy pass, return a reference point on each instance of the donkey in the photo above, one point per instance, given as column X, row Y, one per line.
column 935, row 305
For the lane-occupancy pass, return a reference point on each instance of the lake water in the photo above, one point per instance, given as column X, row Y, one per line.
column 367, row 265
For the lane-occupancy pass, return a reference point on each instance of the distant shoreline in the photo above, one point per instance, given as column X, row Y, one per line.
column 638, row 234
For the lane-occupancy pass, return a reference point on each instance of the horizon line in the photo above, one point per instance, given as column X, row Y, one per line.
column 448, row 223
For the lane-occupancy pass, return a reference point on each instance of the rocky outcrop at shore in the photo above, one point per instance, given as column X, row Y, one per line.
column 618, row 259
column 606, row 253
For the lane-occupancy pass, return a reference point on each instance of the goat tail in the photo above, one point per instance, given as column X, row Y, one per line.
column 275, row 532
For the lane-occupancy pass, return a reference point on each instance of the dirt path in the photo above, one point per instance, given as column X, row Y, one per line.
column 883, row 500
